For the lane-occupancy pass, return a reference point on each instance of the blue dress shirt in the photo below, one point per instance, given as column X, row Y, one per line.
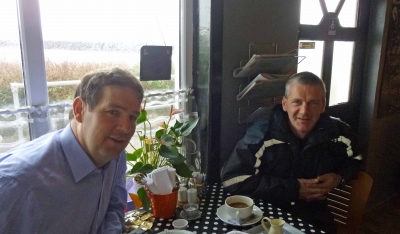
column 50, row 185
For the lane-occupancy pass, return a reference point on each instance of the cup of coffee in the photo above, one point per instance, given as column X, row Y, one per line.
column 239, row 207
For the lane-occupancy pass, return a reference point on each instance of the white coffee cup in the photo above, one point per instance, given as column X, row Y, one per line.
column 239, row 207
column 180, row 224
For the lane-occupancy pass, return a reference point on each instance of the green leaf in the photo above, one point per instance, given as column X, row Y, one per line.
column 129, row 157
column 136, row 167
column 142, row 117
column 140, row 168
column 187, row 127
column 144, row 198
column 178, row 124
column 147, row 168
column 168, row 139
column 135, row 155
column 172, row 132
column 159, row 133
column 172, row 154
column 183, row 170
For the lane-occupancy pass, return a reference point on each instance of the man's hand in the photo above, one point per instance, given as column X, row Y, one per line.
column 316, row 189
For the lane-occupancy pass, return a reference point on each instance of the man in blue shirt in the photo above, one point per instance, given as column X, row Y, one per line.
column 73, row 180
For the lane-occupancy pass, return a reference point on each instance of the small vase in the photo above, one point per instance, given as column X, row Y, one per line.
column 163, row 206
column 132, row 188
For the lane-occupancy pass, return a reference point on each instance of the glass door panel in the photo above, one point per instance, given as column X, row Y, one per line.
column 310, row 12
column 313, row 52
column 348, row 14
column 341, row 72
column 331, row 5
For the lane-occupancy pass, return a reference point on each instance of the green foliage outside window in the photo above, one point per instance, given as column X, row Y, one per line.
column 11, row 72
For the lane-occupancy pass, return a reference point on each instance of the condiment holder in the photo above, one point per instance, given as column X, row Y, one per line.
column 198, row 182
column 180, row 224
column 190, row 211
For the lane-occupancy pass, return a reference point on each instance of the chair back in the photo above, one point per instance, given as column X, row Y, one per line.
column 347, row 203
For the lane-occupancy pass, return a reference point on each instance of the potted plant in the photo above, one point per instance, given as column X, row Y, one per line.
column 159, row 150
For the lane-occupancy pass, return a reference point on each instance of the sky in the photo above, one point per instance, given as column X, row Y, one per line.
column 142, row 21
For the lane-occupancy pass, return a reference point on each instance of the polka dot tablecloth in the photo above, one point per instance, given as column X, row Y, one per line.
column 209, row 222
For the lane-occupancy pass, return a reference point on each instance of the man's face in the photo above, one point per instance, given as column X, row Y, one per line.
column 106, row 130
column 304, row 105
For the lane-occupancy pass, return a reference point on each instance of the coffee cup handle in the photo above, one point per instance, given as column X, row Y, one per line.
column 237, row 215
column 264, row 225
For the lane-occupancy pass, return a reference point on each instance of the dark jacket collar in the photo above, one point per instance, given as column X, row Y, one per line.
column 324, row 129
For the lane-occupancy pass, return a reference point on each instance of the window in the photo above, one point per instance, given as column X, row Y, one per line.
column 331, row 38
column 13, row 125
column 64, row 39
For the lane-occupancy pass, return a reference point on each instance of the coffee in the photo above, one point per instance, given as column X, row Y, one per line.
column 238, row 205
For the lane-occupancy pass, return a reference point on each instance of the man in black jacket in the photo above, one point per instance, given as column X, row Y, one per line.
column 297, row 155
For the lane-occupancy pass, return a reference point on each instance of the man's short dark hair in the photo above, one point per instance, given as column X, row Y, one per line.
column 93, row 82
column 304, row 78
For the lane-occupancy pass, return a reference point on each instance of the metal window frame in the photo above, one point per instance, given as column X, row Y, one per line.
column 32, row 53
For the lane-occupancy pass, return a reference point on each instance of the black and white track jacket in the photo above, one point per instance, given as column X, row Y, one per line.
column 269, row 159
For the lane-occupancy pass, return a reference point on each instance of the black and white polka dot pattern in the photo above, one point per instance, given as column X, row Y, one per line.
column 209, row 223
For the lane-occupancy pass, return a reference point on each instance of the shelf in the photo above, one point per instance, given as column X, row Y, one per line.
column 268, row 63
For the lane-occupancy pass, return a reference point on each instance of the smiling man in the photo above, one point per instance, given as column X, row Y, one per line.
column 296, row 155
column 73, row 180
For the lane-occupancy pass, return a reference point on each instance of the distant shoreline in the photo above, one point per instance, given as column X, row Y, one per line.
column 85, row 46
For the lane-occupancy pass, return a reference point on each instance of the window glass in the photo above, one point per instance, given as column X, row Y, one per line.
column 310, row 12
column 13, row 125
column 341, row 72
column 82, row 35
column 311, row 56
column 10, row 57
column 331, row 5
column 348, row 14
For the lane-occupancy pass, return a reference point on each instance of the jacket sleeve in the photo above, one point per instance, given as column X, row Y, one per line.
column 353, row 160
column 244, row 173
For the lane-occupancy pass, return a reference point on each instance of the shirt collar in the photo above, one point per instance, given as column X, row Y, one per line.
column 80, row 163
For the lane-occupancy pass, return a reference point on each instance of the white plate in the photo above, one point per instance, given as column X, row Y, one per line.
column 287, row 229
column 258, row 214
column 172, row 231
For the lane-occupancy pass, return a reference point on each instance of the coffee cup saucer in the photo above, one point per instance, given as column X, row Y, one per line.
column 184, row 215
column 224, row 217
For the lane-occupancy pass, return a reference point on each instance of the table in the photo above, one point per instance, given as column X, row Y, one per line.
column 209, row 222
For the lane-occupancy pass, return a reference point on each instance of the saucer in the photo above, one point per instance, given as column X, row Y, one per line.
column 183, row 215
column 175, row 232
column 287, row 229
column 222, row 215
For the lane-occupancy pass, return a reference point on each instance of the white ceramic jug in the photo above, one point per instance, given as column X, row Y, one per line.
column 273, row 226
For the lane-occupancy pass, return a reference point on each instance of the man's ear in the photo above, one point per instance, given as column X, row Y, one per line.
column 78, row 106
column 284, row 102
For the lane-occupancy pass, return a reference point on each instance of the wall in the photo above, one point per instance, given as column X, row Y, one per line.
column 235, row 23
column 379, row 135
column 245, row 21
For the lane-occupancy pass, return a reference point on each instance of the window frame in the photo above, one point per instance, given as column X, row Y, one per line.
column 348, row 111
column 33, row 63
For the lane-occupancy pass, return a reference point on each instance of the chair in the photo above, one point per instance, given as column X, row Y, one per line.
column 347, row 203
